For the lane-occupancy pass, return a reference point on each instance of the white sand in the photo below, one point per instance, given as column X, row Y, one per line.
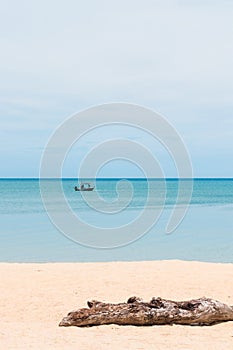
column 35, row 297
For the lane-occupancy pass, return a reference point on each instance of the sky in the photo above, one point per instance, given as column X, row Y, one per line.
column 60, row 57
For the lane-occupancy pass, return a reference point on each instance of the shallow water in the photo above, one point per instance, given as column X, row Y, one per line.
column 206, row 232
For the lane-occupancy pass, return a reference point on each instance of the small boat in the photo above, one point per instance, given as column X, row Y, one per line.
column 84, row 187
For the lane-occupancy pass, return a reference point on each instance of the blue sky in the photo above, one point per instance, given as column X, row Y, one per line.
column 59, row 57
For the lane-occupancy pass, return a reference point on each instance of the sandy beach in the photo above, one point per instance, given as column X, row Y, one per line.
column 35, row 297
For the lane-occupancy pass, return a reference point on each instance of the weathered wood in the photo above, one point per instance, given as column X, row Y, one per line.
column 158, row 311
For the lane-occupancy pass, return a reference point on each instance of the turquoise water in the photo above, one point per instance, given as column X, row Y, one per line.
column 205, row 234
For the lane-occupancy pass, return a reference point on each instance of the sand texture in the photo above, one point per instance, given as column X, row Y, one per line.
column 35, row 297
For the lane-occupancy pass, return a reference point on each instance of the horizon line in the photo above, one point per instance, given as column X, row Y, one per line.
column 116, row 178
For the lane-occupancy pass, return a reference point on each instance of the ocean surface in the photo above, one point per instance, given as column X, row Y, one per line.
column 205, row 234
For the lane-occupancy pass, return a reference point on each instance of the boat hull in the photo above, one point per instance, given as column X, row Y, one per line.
column 85, row 189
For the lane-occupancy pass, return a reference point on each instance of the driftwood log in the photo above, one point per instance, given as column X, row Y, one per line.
column 158, row 311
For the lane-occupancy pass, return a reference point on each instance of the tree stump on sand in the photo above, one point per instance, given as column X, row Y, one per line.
column 136, row 312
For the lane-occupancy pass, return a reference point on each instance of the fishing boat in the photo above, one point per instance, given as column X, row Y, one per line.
column 85, row 186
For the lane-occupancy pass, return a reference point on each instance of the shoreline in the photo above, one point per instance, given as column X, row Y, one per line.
column 35, row 296
column 111, row 262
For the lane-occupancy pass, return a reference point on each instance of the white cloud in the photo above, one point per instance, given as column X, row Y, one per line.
column 76, row 47
column 58, row 57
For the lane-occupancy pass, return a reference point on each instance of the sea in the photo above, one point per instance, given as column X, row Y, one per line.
column 29, row 234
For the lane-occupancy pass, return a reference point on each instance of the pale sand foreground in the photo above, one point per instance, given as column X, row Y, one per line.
column 34, row 298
